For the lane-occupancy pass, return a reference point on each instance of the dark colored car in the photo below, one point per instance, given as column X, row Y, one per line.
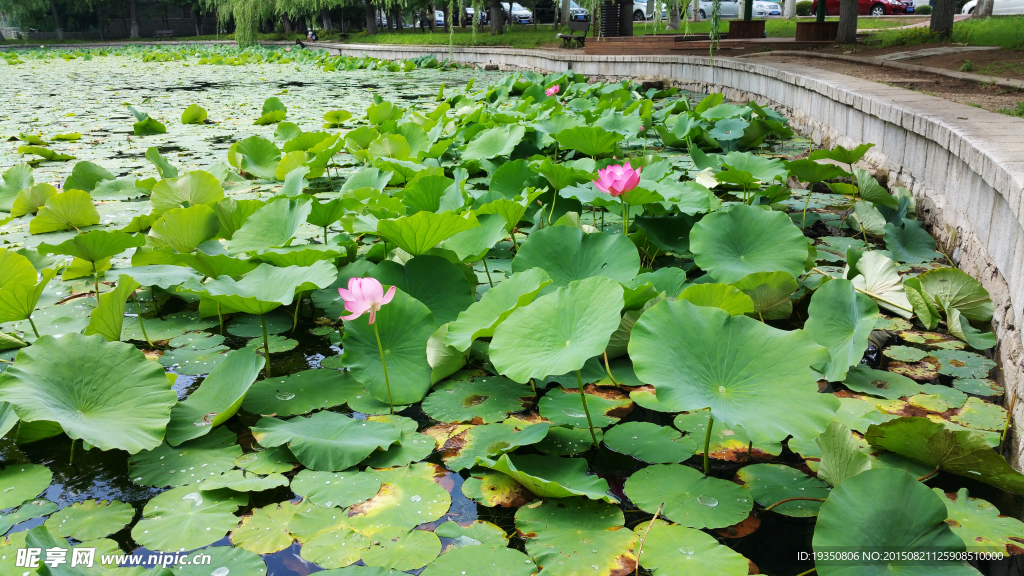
column 865, row 7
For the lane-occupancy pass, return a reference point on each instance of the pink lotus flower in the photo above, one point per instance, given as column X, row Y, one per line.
column 616, row 180
column 552, row 91
column 364, row 295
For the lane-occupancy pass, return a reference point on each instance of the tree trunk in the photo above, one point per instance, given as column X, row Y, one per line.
column 396, row 17
column 847, row 22
column 497, row 17
column 983, row 9
column 433, row 16
column 286, row 22
column 942, row 17
column 197, row 17
column 790, row 10
column 56, row 20
column 371, row 17
column 695, row 8
column 133, row 14
column 325, row 17
column 673, row 15
column 564, row 20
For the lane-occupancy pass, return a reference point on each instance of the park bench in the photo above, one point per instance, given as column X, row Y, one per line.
column 574, row 27
column 164, row 34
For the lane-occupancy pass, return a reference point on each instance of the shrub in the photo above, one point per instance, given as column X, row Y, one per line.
column 803, row 8
column 967, row 66
column 923, row 10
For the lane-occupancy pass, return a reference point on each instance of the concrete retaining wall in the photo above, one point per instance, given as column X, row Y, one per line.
column 964, row 165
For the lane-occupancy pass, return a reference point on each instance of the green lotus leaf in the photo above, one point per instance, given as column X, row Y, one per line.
column 64, row 211
column 952, row 288
column 979, row 387
column 405, row 325
column 841, row 454
column 240, row 481
column 269, row 461
column 876, row 275
column 383, row 112
column 233, row 214
column 979, row 524
column 399, row 549
column 477, row 533
column 745, row 239
column 19, row 482
column 904, row 353
column 121, row 401
column 123, row 190
column 494, row 142
column 813, row 172
column 90, row 519
column 558, row 332
column 335, row 548
column 217, row 398
column 565, row 407
column 411, row 446
column 19, row 291
column 572, row 536
column 190, row 463
column 300, row 393
column 15, row 179
column 476, row 398
column 271, row 225
column 911, row 243
column 94, row 246
column 882, row 383
column 432, row 280
column 301, row 255
column 881, row 510
column 326, row 441
column 840, row 319
column 491, row 489
column 196, row 187
column 771, row 483
column 961, row 364
column 30, row 200
column 266, row 287
column 163, row 276
column 568, row 441
column 341, row 489
column 567, row 254
column 86, row 175
column 770, row 292
column 592, row 141
column 962, row 329
column 729, row 444
column 107, row 319
column 494, row 560
column 671, row 549
column 184, row 229
column 266, row 530
column 235, row 560
column 163, row 167
column 691, row 499
column 422, row 231
column 194, row 360
column 841, row 154
column 148, row 127
column 724, row 296
column 402, row 503
column 961, row 452
column 444, row 360
column 336, row 117
column 980, row 415
column 650, row 443
column 490, row 441
column 194, row 114
column 186, row 518
column 481, row 318
column 45, row 153
column 214, row 266
column 28, row 510
column 551, row 476
column 755, row 375
column 170, row 326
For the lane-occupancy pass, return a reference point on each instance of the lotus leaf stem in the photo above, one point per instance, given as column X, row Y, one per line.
column 220, row 317
column 625, row 217
column 707, row 444
column 640, row 548
column 608, row 369
column 384, row 365
column 142, row 326
column 583, row 397
column 1006, row 427
column 71, row 460
column 489, row 281
column 96, row 283
column 33, row 324
column 792, row 499
column 551, row 214
column 295, row 316
column 867, row 293
column 266, row 346
column 803, row 222
column 929, row 475
column 811, row 571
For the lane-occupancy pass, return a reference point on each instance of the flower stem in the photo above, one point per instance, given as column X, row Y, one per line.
column 707, row 444
column 96, row 283
column 489, row 281
column 625, row 217
column 220, row 317
column 583, row 397
column 142, row 326
column 384, row 365
column 266, row 346
column 72, row 459
column 33, row 324
column 295, row 316
column 803, row 222
column 608, row 369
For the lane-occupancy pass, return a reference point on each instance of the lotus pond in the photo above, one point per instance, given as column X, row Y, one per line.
column 730, row 351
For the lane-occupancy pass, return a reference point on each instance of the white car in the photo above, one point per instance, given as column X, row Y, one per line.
column 734, row 9
column 520, row 15
column 999, row 7
column 640, row 11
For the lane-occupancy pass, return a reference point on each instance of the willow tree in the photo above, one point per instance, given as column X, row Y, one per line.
column 248, row 15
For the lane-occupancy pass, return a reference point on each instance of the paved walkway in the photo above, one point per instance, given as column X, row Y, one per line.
column 956, row 18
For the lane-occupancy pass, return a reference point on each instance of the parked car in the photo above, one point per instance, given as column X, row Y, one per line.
column 520, row 15
column 865, row 7
column 439, row 18
column 734, row 9
column 640, row 11
column 999, row 7
column 546, row 11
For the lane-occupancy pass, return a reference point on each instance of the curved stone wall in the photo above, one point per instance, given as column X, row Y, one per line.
column 964, row 165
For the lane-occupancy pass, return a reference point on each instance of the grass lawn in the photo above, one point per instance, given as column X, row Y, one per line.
column 1003, row 31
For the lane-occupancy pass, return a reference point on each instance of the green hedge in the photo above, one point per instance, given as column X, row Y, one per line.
column 923, row 10
column 803, row 8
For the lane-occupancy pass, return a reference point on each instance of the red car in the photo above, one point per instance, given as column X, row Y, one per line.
column 866, row 7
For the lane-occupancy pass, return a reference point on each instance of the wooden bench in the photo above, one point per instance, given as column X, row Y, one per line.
column 164, row 34
column 571, row 37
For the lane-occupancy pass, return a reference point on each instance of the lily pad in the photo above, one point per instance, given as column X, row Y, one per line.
column 477, row 398
column 840, row 319
column 563, row 441
column 267, row 461
column 932, row 340
column 566, row 253
column 568, row 537
column 170, row 326
column 729, row 444
column 880, row 383
column 19, row 482
column 326, row 441
column 90, row 519
column 724, row 296
column 489, row 441
column 981, row 415
column 771, row 483
column 432, row 280
column 477, row 533
column 745, row 239
column 492, row 489
column 249, row 326
column 650, row 443
column 342, row 489
column 904, row 353
column 185, row 518
column 422, row 231
column 411, row 447
column 691, row 499
column 123, row 400
column 401, row 503
column 335, row 548
column 241, row 481
column 400, row 549
column 193, row 361
column 28, row 510
column 275, row 343
column 979, row 387
column 493, row 560
column 189, row 463
column 674, row 550
column 300, row 393
column 233, row 560
column 481, row 318
column 552, row 476
column 961, row 364
column 266, row 530
column 979, row 524
column 565, row 407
